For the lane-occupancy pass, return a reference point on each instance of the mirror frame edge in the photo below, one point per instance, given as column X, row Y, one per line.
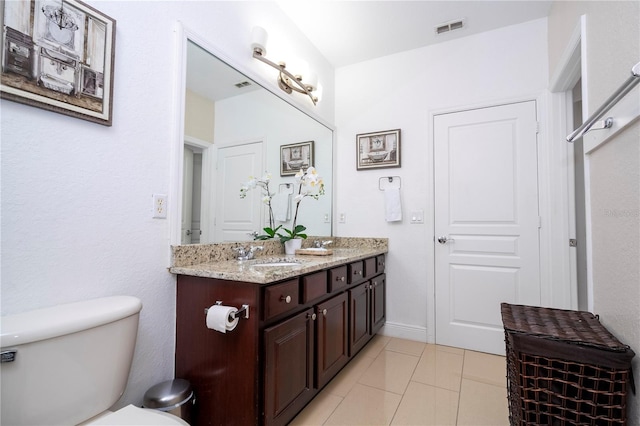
column 183, row 35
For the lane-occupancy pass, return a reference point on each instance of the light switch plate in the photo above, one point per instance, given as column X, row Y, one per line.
column 417, row 216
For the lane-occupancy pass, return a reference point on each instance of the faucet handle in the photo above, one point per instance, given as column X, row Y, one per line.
column 326, row 243
column 255, row 248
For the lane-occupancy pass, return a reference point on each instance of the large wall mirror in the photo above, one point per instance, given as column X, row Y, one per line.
column 233, row 129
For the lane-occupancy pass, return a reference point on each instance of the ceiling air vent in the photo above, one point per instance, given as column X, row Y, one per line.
column 242, row 84
column 450, row 26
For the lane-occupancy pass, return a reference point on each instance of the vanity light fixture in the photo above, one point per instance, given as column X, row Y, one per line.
column 287, row 81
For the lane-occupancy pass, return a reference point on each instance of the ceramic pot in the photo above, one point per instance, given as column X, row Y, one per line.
column 291, row 246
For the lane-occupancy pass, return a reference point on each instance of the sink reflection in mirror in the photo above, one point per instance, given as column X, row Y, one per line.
column 234, row 129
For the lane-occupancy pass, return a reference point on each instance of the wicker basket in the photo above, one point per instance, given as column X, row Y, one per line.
column 564, row 368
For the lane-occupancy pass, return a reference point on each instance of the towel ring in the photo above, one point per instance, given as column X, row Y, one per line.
column 391, row 179
column 288, row 186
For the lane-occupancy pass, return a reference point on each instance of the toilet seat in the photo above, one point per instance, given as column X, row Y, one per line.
column 132, row 415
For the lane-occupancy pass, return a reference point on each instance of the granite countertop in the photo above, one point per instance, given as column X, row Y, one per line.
column 247, row 271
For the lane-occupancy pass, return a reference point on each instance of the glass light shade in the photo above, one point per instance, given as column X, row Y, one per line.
column 312, row 80
column 318, row 92
column 259, row 38
column 298, row 67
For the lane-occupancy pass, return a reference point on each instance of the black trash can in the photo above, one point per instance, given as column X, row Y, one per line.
column 172, row 396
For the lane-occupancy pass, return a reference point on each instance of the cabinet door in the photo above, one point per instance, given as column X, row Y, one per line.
column 288, row 383
column 378, row 303
column 332, row 337
column 359, row 318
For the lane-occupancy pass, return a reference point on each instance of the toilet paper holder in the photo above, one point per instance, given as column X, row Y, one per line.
column 244, row 309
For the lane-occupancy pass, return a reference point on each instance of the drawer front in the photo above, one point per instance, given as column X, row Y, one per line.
column 314, row 286
column 380, row 264
column 356, row 272
column 280, row 298
column 370, row 267
column 337, row 278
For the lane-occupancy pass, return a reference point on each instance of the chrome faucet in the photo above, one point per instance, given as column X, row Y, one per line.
column 247, row 253
column 321, row 244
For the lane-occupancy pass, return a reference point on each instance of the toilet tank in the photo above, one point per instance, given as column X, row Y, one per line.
column 65, row 364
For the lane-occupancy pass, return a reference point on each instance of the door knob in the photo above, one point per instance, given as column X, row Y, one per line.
column 444, row 239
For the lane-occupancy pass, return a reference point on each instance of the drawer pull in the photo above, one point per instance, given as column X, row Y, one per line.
column 287, row 299
column 339, row 278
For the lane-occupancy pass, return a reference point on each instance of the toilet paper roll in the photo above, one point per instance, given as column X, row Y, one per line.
column 222, row 318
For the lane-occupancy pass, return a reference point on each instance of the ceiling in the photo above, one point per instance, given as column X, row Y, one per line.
column 347, row 32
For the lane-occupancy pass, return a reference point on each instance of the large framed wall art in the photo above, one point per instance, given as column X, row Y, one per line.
column 58, row 55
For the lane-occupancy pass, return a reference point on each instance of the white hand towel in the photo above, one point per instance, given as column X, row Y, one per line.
column 393, row 209
column 281, row 205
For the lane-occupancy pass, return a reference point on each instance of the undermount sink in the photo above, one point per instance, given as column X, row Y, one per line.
column 270, row 263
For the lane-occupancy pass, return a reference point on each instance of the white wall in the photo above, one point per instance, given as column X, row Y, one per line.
column 612, row 48
column 76, row 196
column 402, row 91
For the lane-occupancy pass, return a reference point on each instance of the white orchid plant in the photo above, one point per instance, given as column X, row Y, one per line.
column 310, row 184
column 267, row 195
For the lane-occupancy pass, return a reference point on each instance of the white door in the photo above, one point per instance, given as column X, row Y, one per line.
column 187, row 195
column 235, row 217
column 486, row 222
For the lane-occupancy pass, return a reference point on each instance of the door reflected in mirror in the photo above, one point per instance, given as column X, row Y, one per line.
column 234, row 129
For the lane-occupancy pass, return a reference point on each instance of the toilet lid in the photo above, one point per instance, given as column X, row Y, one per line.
column 132, row 415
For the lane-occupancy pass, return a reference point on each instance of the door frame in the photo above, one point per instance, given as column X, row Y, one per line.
column 552, row 230
column 208, row 155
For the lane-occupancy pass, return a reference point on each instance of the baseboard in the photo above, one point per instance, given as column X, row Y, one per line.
column 404, row 331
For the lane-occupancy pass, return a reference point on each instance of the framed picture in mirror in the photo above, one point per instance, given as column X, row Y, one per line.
column 58, row 55
column 295, row 157
column 378, row 149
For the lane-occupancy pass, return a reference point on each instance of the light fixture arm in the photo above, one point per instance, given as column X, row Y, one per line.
column 287, row 81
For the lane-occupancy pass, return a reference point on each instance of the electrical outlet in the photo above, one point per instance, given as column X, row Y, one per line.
column 159, row 206
column 327, row 218
column 342, row 218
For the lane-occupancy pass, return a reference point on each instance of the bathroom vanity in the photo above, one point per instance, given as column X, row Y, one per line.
column 304, row 323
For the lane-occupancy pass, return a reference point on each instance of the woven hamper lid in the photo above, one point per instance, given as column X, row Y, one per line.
column 577, row 327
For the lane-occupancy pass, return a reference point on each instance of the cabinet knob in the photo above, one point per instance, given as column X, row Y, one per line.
column 286, row 299
column 375, row 283
column 324, row 312
column 312, row 316
column 358, row 272
column 339, row 278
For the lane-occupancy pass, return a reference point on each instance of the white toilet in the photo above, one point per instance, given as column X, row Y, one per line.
column 68, row 364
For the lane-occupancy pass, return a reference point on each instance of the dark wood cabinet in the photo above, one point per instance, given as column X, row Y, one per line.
column 378, row 302
column 299, row 334
column 360, row 318
column 289, row 363
column 332, row 326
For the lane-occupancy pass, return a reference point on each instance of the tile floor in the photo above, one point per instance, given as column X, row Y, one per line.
column 402, row 382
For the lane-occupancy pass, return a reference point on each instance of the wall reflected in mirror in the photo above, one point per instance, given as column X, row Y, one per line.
column 234, row 129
